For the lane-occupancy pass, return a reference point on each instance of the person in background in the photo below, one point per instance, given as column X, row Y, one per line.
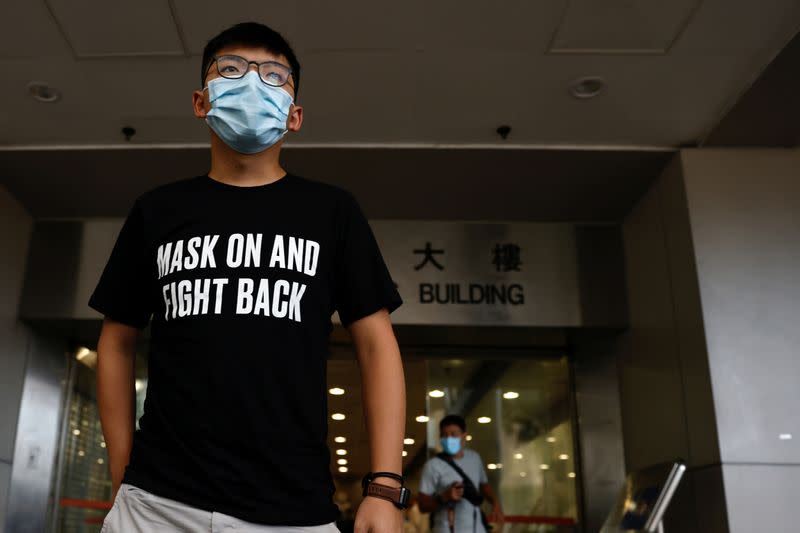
column 454, row 497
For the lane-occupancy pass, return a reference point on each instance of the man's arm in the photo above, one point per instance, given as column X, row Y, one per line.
column 383, row 391
column 497, row 509
column 116, row 356
column 429, row 503
column 383, row 396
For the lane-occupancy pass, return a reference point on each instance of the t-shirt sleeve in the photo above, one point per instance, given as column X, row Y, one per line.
column 427, row 481
column 123, row 291
column 362, row 281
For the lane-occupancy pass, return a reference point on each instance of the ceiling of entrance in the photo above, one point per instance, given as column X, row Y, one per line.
column 413, row 72
column 415, row 184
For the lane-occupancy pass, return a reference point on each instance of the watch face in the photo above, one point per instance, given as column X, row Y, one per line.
column 404, row 496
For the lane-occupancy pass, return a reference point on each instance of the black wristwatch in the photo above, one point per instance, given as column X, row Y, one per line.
column 397, row 495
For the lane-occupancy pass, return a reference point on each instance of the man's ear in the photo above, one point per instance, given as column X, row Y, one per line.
column 295, row 120
column 199, row 103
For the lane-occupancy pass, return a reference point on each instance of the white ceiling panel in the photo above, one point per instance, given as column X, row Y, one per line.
column 27, row 29
column 511, row 25
column 621, row 26
column 359, row 25
column 101, row 28
column 200, row 21
column 739, row 27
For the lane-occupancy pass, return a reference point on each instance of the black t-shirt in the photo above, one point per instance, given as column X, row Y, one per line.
column 241, row 283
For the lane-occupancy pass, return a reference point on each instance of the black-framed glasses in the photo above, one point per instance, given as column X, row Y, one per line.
column 233, row 67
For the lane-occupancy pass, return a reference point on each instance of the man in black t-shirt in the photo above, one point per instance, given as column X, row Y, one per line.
column 238, row 273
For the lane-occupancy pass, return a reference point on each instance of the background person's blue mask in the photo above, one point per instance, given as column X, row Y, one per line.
column 451, row 445
column 246, row 113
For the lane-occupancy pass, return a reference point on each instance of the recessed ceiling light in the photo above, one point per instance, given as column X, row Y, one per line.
column 517, row 456
column 484, row 420
column 76, row 432
column 588, row 87
column 340, row 439
column 405, row 453
column 436, row 393
column 563, row 457
column 469, row 438
column 343, row 469
column 341, row 461
column 408, row 440
column 102, row 444
column 422, row 418
column 336, row 391
column 544, row 467
column 491, row 466
column 510, row 395
column 337, row 416
column 551, row 439
column 81, row 453
column 341, row 451
column 100, row 461
column 41, row 92
column 571, row 474
column 522, row 474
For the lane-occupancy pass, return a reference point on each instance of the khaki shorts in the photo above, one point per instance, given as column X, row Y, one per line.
column 136, row 510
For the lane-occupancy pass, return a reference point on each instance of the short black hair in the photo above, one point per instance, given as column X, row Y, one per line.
column 255, row 35
column 450, row 420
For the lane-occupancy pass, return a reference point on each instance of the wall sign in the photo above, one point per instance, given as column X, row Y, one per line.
column 464, row 273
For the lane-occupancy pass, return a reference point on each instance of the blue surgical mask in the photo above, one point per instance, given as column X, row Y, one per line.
column 451, row 445
column 246, row 113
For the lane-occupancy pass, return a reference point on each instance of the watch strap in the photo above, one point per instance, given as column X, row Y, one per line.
column 393, row 494
column 390, row 475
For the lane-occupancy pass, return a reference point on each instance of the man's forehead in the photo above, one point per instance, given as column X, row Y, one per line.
column 252, row 53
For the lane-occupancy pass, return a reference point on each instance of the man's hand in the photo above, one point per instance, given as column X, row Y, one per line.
column 454, row 493
column 497, row 516
column 376, row 515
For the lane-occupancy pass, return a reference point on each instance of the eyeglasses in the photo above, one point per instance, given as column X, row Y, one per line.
column 233, row 67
